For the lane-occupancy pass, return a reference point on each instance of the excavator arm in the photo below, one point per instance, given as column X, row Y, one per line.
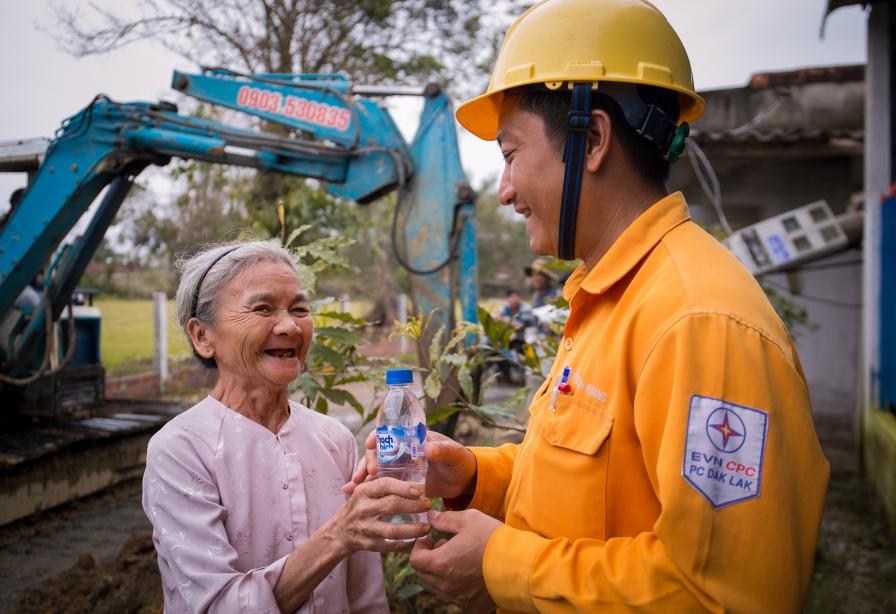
column 331, row 133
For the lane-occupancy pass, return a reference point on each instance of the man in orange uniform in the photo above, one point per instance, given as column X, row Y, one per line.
column 679, row 470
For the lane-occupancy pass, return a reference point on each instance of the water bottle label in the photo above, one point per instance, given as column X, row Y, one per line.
column 391, row 443
column 394, row 442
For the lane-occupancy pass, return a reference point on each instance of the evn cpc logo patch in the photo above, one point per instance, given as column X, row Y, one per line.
column 724, row 450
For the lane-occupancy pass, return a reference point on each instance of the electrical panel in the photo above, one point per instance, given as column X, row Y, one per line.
column 787, row 239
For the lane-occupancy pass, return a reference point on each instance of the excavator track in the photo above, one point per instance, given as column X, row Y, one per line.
column 48, row 462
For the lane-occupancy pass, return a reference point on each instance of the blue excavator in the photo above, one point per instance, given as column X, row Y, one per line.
column 336, row 132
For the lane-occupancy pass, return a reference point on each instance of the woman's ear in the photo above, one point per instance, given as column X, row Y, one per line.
column 597, row 147
column 200, row 339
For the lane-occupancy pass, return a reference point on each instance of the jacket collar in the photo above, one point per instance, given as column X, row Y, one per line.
column 630, row 248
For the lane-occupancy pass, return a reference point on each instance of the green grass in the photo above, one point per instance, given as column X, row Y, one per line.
column 126, row 334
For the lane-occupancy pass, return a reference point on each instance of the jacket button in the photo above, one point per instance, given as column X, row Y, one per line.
column 289, row 537
column 285, row 486
column 567, row 344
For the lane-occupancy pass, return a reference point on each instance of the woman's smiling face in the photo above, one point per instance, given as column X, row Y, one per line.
column 263, row 326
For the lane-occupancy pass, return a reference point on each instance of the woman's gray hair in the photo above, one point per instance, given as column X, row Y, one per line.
column 213, row 268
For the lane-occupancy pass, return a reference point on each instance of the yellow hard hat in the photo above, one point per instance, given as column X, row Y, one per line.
column 559, row 42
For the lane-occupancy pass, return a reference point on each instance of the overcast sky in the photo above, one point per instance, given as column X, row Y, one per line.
column 727, row 40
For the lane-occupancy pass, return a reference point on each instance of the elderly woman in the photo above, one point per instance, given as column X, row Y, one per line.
column 243, row 489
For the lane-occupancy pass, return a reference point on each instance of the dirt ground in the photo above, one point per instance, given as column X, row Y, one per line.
column 96, row 555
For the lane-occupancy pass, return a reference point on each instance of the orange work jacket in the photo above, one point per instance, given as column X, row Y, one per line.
column 683, row 472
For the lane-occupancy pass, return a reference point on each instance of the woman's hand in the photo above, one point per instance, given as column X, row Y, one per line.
column 358, row 523
column 451, row 471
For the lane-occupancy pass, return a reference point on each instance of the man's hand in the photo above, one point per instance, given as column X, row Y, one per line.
column 451, row 472
column 452, row 467
column 453, row 568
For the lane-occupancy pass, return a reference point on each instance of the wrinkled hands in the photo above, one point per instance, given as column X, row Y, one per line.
column 452, row 567
column 358, row 525
column 451, row 472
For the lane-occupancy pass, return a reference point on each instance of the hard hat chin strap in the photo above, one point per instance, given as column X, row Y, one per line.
column 574, row 158
column 649, row 121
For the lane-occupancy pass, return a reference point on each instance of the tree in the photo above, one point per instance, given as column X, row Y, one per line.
column 502, row 263
column 372, row 40
column 206, row 207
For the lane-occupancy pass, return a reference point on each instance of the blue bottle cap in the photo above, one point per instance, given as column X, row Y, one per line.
column 399, row 376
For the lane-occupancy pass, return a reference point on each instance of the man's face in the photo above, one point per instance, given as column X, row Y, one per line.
column 532, row 181
column 513, row 300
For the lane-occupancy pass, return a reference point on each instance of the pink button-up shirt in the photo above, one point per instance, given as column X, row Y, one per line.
column 229, row 501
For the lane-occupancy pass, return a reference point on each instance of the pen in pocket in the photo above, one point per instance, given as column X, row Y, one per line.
column 561, row 388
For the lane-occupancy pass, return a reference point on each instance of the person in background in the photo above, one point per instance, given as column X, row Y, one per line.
column 519, row 316
column 542, row 279
column 515, row 312
column 243, row 489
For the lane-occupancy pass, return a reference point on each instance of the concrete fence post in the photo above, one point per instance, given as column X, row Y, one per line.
column 160, row 337
column 403, row 318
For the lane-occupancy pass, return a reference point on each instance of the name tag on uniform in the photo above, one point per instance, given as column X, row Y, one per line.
column 724, row 450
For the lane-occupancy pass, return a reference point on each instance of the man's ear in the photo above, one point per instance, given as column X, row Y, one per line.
column 200, row 339
column 597, row 147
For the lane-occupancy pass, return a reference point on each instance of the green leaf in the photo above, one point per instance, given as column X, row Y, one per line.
column 488, row 381
column 339, row 315
column 530, row 358
column 307, row 279
column 487, row 321
column 296, row 233
column 455, row 360
column 360, row 377
column 435, row 348
column 466, row 382
column 402, row 574
column 408, row 590
column 326, row 355
column 498, row 333
column 432, row 386
column 341, row 335
column 321, row 405
column 308, row 385
column 343, row 397
column 437, row 415
column 459, row 335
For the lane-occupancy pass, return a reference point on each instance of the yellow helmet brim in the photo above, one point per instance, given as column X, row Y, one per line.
column 561, row 42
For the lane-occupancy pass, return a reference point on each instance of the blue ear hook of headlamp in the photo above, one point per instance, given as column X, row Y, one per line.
column 574, row 158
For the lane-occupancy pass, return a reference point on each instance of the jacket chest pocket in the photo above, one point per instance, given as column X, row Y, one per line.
column 561, row 489
column 576, row 424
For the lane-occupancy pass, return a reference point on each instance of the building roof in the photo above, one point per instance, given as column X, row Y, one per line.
column 819, row 105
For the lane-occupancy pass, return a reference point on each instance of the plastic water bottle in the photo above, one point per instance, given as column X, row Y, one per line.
column 400, row 433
